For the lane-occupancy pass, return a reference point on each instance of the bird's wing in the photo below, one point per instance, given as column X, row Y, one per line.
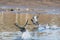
column 18, row 26
column 26, row 23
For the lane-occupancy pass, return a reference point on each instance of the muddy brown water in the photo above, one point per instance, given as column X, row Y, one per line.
column 9, row 18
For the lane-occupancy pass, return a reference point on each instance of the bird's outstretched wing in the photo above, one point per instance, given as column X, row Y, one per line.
column 26, row 23
column 17, row 26
column 22, row 29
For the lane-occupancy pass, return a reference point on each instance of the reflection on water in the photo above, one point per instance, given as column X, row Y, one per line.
column 46, row 34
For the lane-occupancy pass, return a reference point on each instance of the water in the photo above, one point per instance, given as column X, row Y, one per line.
column 52, row 33
column 46, row 34
column 53, row 36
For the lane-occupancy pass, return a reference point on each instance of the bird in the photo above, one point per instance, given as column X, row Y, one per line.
column 22, row 28
column 25, row 32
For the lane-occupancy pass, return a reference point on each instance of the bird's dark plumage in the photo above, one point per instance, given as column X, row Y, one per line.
column 22, row 28
column 34, row 23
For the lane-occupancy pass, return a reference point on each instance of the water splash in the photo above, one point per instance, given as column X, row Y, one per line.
column 26, row 35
